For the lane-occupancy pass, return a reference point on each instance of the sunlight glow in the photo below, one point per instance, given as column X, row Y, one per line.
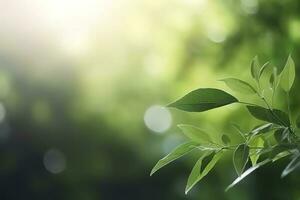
column 158, row 118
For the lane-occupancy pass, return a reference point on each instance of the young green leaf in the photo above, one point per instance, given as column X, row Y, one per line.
column 238, row 85
column 225, row 139
column 262, row 69
column 175, row 154
column 202, row 168
column 203, row 99
column 274, row 116
column 246, row 173
column 255, row 68
column 240, row 158
column 288, row 75
column 294, row 164
column 258, row 142
column 298, row 121
column 196, row 134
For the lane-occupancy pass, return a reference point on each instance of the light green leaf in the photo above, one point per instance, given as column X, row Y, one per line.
column 274, row 79
column 246, row 173
column 175, row 154
column 265, row 128
column 257, row 142
column 239, row 86
column 275, row 116
column 294, row 164
column 196, row 134
column 288, row 75
column 240, row 158
column 202, row 168
column 203, row 99
column 262, row 69
column 255, row 68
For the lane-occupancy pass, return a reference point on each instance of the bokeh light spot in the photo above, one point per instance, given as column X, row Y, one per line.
column 158, row 119
column 54, row 161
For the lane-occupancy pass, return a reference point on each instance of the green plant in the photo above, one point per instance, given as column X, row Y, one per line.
column 266, row 143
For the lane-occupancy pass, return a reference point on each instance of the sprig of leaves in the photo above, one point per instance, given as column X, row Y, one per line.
column 256, row 146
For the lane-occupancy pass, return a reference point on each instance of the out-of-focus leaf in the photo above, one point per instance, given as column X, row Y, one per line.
column 288, row 75
column 275, row 116
column 258, row 142
column 196, row 134
column 255, row 68
column 203, row 99
column 202, row 168
column 225, row 139
column 175, row 154
column 247, row 172
column 240, row 158
column 238, row 85
column 294, row 164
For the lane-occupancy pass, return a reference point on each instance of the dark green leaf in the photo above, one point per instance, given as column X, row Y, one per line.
column 239, row 86
column 298, row 121
column 203, row 99
column 274, row 116
column 281, row 135
column 225, row 139
column 240, row 158
column 195, row 134
column 202, row 168
column 246, row 173
column 175, row 154
column 294, row 164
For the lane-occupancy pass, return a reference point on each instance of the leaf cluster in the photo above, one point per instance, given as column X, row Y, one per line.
column 266, row 143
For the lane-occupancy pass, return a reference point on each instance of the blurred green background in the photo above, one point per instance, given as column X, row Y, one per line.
column 83, row 82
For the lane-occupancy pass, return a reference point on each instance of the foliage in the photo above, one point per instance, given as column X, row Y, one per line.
column 266, row 143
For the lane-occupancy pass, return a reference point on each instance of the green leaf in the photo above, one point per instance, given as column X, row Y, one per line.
column 262, row 69
column 225, row 139
column 298, row 121
column 238, row 85
column 175, row 154
column 196, row 134
column 294, row 164
column 281, row 135
column 255, row 68
column 202, row 168
column 203, row 99
column 288, row 75
column 246, row 173
column 254, row 153
column 265, row 128
column 274, row 79
column 240, row 158
column 275, row 116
